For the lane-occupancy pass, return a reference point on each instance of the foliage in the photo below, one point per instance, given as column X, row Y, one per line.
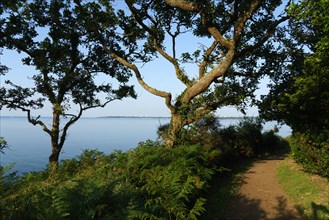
column 241, row 140
column 272, row 143
column 170, row 184
column 149, row 182
column 303, row 88
column 312, row 154
column 300, row 97
column 3, row 144
column 234, row 142
column 204, row 131
column 3, row 69
column 237, row 41
column 54, row 39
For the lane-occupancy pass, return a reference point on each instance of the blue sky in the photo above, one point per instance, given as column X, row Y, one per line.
column 158, row 73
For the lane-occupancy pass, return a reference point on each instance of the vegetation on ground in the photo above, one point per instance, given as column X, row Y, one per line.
column 148, row 182
column 309, row 193
column 311, row 154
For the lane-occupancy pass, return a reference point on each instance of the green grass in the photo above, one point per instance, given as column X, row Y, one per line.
column 309, row 193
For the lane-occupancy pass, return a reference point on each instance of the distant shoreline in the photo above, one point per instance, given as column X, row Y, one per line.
column 137, row 117
column 155, row 117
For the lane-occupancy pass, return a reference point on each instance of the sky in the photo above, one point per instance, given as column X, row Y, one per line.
column 158, row 74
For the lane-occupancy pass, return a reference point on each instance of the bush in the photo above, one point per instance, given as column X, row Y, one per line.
column 242, row 140
column 232, row 143
column 313, row 155
column 148, row 182
column 203, row 132
column 273, row 143
column 169, row 181
column 75, row 192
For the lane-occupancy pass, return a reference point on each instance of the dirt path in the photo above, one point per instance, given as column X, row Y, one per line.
column 260, row 196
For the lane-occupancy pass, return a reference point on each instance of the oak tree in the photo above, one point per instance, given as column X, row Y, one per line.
column 68, row 67
column 237, row 41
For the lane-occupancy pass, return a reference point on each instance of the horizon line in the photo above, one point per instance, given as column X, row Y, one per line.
column 126, row 116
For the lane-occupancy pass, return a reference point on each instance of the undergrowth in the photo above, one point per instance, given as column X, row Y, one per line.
column 151, row 181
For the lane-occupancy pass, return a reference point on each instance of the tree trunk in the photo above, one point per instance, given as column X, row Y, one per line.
column 175, row 130
column 53, row 158
column 55, row 146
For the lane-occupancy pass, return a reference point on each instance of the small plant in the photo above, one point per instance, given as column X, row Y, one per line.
column 3, row 145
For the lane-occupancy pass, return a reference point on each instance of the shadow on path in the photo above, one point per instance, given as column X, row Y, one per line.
column 243, row 208
column 260, row 196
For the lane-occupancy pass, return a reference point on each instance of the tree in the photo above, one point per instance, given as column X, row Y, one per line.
column 301, row 97
column 236, row 39
column 67, row 62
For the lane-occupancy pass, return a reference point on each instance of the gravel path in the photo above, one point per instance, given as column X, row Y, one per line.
column 260, row 196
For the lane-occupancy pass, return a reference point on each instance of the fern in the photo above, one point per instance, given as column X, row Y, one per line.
column 197, row 209
column 149, row 182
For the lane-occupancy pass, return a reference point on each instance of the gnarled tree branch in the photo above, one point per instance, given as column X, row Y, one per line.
column 140, row 80
column 179, row 72
column 206, row 61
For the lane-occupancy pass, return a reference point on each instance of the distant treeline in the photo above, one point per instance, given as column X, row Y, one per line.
column 164, row 117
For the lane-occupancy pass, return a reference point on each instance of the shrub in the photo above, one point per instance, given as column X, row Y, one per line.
column 77, row 191
column 234, row 142
column 203, row 132
column 150, row 181
column 273, row 143
column 242, row 140
column 313, row 155
column 169, row 181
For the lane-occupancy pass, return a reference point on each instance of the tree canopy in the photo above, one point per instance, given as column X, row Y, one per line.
column 240, row 42
column 301, row 97
column 68, row 62
column 3, row 68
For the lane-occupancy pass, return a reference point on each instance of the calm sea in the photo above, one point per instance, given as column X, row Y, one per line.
column 29, row 146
